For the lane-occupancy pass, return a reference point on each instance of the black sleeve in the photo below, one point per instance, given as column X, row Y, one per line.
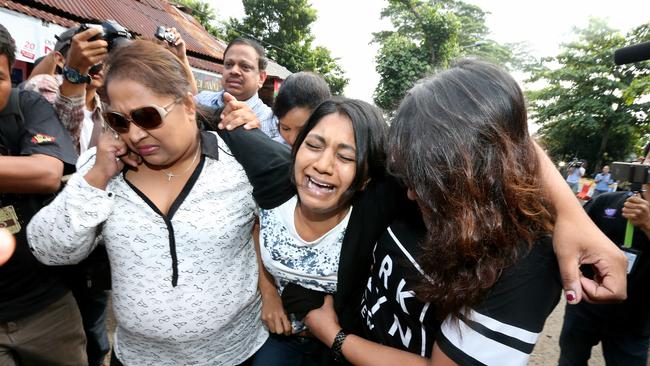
column 267, row 164
column 507, row 324
column 380, row 203
column 43, row 133
column 372, row 211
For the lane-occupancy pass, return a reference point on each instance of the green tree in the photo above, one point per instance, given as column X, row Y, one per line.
column 204, row 14
column 590, row 108
column 283, row 28
column 427, row 35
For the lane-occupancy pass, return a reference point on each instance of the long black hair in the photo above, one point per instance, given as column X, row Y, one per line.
column 303, row 89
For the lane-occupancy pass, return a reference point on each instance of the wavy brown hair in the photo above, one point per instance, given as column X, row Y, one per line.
column 460, row 142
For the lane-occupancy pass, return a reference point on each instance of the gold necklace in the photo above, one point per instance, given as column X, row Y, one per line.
column 171, row 175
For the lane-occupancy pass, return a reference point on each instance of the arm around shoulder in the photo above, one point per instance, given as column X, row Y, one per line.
column 266, row 162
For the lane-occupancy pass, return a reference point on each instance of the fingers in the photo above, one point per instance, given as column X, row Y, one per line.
column 328, row 302
column 7, row 246
column 277, row 323
column 610, row 280
column 227, row 98
column 242, row 117
column 570, row 274
column 132, row 159
column 178, row 40
column 286, row 324
column 87, row 34
column 85, row 53
column 237, row 114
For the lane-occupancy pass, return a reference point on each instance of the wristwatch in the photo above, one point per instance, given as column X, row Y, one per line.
column 337, row 345
column 74, row 76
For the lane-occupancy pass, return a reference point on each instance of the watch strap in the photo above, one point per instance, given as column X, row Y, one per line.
column 338, row 345
column 74, row 76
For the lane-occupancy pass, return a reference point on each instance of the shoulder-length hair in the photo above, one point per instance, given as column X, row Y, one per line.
column 460, row 142
column 370, row 130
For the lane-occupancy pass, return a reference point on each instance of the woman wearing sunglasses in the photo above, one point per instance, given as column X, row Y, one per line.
column 177, row 227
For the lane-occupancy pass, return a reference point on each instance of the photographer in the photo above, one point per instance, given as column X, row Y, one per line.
column 39, row 319
column 575, row 172
column 603, row 180
column 623, row 329
column 80, row 110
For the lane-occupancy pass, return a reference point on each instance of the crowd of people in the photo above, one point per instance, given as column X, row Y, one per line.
column 309, row 233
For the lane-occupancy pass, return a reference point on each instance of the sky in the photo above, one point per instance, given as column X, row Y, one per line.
column 346, row 27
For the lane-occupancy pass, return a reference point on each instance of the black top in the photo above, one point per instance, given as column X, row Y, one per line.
column 504, row 326
column 27, row 286
column 267, row 164
column 633, row 315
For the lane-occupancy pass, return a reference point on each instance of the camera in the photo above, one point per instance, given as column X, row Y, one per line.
column 635, row 174
column 112, row 32
column 163, row 35
column 575, row 163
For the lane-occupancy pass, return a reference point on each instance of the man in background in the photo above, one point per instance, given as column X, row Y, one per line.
column 244, row 63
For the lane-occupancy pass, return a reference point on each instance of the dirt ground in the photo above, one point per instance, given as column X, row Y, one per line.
column 547, row 350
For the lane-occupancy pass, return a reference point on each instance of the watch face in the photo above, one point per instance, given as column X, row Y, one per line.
column 74, row 76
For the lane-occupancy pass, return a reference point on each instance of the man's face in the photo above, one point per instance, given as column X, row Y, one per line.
column 241, row 75
column 5, row 81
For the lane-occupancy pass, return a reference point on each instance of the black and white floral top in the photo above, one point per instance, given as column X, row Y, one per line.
column 290, row 259
column 185, row 283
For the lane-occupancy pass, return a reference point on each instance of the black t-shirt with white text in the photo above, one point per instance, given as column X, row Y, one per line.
column 502, row 330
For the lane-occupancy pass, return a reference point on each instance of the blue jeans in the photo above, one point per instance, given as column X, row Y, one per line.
column 582, row 330
column 281, row 350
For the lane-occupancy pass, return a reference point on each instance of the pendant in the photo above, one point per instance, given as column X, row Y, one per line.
column 169, row 175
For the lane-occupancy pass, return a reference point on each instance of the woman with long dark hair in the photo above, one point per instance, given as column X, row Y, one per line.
column 469, row 276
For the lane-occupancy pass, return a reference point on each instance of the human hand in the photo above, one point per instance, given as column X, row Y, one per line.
column 589, row 245
column 112, row 154
column 273, row 314
column 83, row 53
column 637, row 210
column 237, row 113
column 323, row 322
column 7, row 245
column 177, row 47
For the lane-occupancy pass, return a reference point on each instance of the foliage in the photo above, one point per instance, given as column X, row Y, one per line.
column 590, row 108
column 428, row 35
column 203, row 13
column 283, row 28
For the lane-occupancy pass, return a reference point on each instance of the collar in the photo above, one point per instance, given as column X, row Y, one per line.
column 209, row 145
column 251, row 102
column 99, row 108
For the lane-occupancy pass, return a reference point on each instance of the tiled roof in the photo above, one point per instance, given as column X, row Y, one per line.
column 139, row 16
column 36, row 13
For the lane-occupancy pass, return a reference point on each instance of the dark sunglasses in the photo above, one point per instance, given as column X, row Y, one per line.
column 148, row 117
